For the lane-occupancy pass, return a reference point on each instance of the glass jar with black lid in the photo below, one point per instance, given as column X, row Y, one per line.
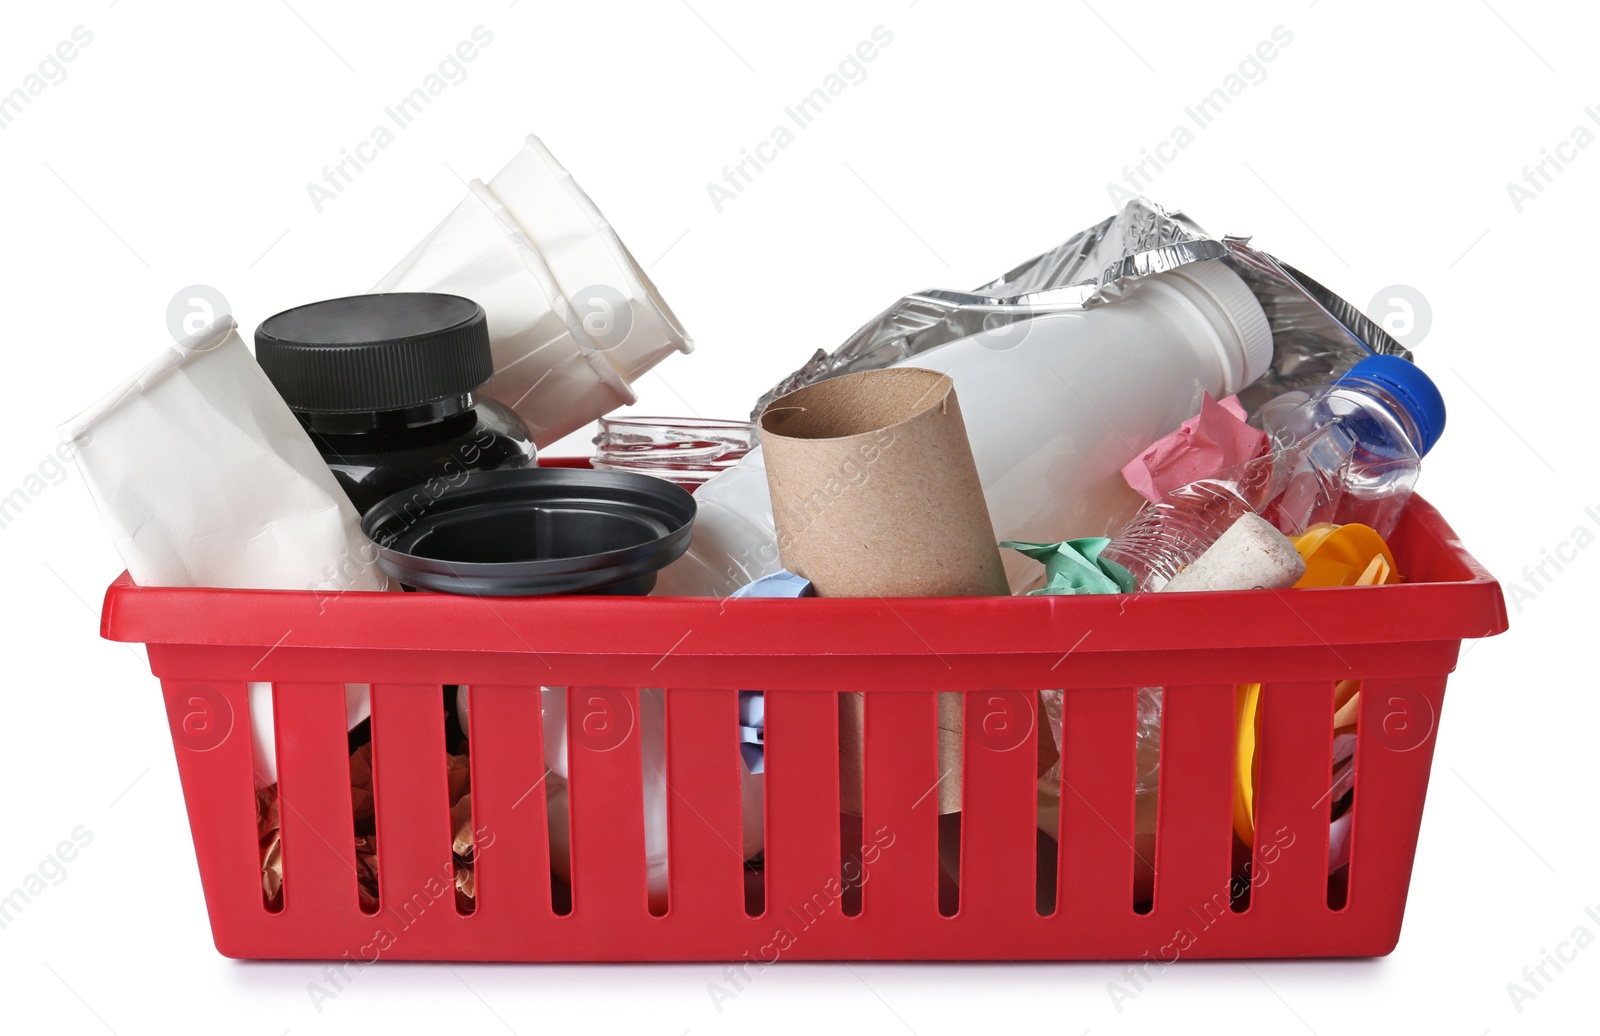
column 385, row 386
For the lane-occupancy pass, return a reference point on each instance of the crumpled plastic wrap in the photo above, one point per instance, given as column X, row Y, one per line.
column 1166, row 537
column 1147, row 766
column 1315, row 332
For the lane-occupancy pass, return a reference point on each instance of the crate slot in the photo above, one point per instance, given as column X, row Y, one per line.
column 1341, row 787
column 268, row 799
column 655, row 792
column 1047, row 814
column 556, row 753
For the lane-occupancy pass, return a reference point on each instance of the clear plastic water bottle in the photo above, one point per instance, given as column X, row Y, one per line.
column 1348, row 451
column 1358, row 444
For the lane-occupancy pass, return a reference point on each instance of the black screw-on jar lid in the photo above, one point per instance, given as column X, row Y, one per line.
column 370, row 353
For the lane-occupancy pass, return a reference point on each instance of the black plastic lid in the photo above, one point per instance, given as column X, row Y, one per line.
column 369, row 353
column 532, row 532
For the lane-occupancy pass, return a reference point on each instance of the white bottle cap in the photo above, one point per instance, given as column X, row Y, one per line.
column 1229, row 293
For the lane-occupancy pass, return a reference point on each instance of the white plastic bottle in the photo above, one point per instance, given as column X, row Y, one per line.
column 1054, row 407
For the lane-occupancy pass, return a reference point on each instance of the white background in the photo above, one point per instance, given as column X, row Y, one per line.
column 1376, row 151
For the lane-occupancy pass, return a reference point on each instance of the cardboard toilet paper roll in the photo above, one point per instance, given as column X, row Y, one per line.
column 875, row 494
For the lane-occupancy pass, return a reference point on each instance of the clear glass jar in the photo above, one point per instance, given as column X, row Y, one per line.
column 685, row 450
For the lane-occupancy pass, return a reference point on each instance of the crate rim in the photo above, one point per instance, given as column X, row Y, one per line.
column 1466, row 607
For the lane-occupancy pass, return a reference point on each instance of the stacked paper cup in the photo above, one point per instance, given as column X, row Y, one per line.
column 573, row 319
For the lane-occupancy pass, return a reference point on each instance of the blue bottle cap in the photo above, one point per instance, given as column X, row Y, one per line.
column 1414, row 390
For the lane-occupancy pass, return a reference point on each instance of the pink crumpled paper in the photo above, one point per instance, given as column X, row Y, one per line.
column 1206, row 445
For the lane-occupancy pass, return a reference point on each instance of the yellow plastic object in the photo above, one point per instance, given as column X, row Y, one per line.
column 1335, row 555
column 1244, row 780
column 1345, row 555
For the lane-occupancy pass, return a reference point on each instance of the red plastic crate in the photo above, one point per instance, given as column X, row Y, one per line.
column 1401, row 641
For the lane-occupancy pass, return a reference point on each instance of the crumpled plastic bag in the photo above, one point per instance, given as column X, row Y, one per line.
column 1076, row 567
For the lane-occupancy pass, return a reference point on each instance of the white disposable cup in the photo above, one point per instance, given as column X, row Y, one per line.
column 631, row 323
column 572, row 318
column 547, row 368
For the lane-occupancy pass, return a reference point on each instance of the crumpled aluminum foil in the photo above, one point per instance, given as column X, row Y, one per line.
column 1316, row 334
